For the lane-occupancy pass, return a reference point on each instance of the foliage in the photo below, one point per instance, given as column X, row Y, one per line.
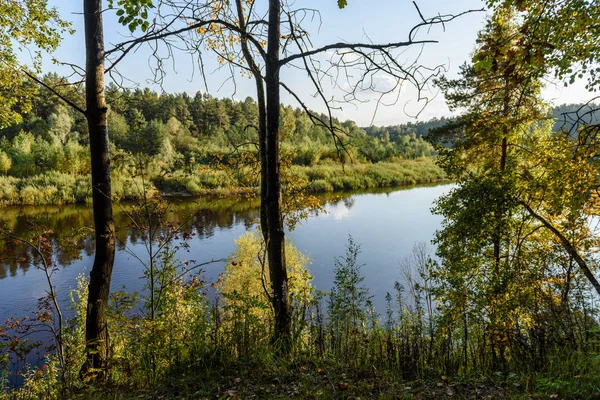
column 5, row 162
column 133, row 13
column 349, row 304
column 569, row 31
column 505, row 306
column 64, row 188
column 190, row 145
column 349, row 298
column 27, row 24
column 502, row 271
column 247, row 313
column 419, row 349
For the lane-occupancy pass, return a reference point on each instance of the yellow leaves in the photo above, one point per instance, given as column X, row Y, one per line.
column 246, row 276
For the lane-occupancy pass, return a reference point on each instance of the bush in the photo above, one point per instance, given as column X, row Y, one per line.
column 320, row 186
column 9, row 192
column 247, row 311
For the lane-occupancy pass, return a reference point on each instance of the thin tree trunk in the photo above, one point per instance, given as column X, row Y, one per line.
column 568, row 246
column 262, row 118
column 272, row 197
column 96, row 334
column 503, row 158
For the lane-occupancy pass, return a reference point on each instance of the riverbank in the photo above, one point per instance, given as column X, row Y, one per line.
column 61, row 188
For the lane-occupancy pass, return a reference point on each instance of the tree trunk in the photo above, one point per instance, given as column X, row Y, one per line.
column 96, row 334
column 262, row 117
column 503, row 158
column 272, row 198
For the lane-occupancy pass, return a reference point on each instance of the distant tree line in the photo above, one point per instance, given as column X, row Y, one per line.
column 177, row 132
column 565, row 116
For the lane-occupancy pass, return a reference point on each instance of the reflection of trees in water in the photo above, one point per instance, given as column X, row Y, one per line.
column 202, row 216
column 19, row 260
column 347, row 201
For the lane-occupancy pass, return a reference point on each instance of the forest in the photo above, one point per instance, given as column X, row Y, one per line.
column 189, row 145
column 505, row 305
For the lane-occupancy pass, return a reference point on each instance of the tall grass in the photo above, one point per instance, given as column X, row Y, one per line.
column 61, row 188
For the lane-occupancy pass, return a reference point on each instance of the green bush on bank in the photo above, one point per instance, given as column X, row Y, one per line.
column 61, row 188
column 49, row 188
column 325, row 178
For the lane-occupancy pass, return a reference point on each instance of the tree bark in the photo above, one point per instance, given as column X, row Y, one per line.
column 272, row 198
column 503, row 158
column 96, row 334
column 262, row 117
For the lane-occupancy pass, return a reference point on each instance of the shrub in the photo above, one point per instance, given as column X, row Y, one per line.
column 247, row 310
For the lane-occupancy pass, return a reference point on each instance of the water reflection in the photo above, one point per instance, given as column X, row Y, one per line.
column 72, row 224
column 386, row 224
column 71, row 227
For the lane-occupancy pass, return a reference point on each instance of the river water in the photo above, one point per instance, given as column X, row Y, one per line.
column 386, row 225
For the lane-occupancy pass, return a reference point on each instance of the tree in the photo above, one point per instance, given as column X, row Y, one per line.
column 5, row 162
column 24, row 23
column 118, row 128
column 516, row 226
column 28, row 23
column 245, row 279
column 136, row 120
column 564, row 36
column 60, row 124
column 349, row 298
column 150, row 140
column 261, row 40
column 96, row 331
column 479, row 244
column 21, row 154
column 500, row 92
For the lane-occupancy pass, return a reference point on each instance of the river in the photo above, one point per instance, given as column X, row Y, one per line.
column 386, row 225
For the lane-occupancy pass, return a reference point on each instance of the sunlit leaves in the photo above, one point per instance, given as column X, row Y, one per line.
column 246, row 277
column 483, row 64
column 566, row 32
column 26, row 27
column 499, row 93
column 342, row 3
column 492, row 268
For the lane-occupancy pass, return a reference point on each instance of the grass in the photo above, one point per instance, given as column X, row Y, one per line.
column 310, row 379
column 61, row 188
column 334, row 177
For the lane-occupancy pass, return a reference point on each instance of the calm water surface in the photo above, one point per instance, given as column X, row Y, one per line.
column 385, row 225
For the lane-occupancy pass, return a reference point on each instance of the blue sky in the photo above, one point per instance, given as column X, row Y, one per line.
column 383, row 21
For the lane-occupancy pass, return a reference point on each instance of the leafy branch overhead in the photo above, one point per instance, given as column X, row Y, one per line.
column 133, row 13
column 25, row 26
column 565, row 33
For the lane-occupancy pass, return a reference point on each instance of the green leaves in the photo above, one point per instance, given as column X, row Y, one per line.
column 24, row 24
column 133, row 13
column 484, row 64
column 562, row 33
column 342, row 3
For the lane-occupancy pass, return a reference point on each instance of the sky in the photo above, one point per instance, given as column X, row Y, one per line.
column 379, row 21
